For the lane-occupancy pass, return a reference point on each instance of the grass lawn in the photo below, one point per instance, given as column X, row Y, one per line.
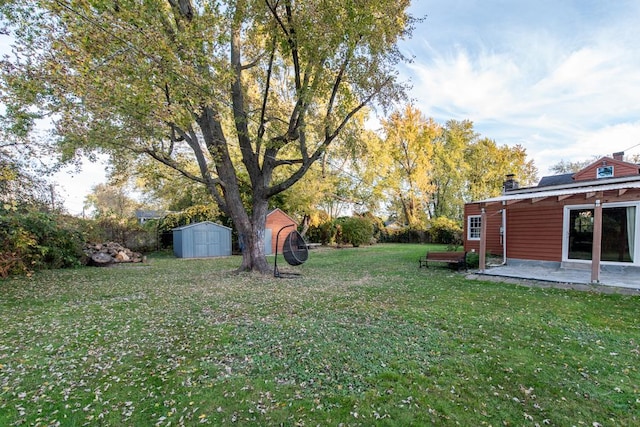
column 362, row 337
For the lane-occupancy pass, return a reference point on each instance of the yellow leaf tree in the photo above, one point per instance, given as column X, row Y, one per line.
column 243, row 89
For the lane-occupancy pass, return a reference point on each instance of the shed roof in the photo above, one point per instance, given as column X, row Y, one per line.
column 201, row 223
column 273, row 211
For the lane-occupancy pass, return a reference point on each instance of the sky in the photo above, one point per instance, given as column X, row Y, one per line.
column 559, row 77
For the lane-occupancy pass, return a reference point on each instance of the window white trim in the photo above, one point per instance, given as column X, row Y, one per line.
column 604, row 172
column 566, row 225
column 474, row 223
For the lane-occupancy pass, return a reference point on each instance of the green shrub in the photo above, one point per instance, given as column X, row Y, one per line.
column 473, row 260
column 345, row 230
column 192, row 214
column 324, row 232
column 356, row 230
column 378, row 226
column 127, row 232
column 38, row 240
column 404, row 235
column 445, row 230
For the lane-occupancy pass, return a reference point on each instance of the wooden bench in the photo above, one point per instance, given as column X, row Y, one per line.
column 454, row 259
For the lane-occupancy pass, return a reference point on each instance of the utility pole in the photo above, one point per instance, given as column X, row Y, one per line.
column 52, row 188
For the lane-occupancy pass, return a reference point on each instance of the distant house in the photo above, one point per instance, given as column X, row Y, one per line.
column 145, row 215
column 277, row 220
column 202, row 240
column 587, row 220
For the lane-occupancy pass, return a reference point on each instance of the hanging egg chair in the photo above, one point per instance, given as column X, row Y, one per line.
column 294, row 250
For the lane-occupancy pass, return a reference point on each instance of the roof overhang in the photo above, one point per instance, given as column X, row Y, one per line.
column 564, row 193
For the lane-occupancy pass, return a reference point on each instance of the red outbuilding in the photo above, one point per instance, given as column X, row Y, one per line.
column 278, row 220
column 586, row 220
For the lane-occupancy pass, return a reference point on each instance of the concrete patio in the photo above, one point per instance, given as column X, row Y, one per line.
column 615, row 281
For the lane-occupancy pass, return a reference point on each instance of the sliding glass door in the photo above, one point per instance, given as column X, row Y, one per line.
column 618, row 234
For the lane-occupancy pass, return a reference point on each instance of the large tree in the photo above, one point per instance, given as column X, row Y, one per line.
column 112, row 199
column 489, row 164
column 566, row 166
column 450, row 169
column 245, row 89
column 469, row 167
column 404, row 161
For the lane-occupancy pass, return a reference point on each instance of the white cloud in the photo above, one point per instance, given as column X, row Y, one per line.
column 563, row 80
column 463, row 86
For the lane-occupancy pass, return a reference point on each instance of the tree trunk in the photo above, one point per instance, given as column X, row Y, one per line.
column 253, row 234
column 305, row 225
column 250, row 226
column 253, row 258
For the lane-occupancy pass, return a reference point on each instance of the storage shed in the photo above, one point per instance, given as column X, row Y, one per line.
column 276, row 220
column 202, row 240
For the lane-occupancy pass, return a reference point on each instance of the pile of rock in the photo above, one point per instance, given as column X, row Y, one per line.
column 103, row 254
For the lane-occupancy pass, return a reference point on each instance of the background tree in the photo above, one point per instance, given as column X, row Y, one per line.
column 633, row 158
column 425, row 170
column 24, row 179
column 25, row 187
column 404, row 161
column 565, row 166
column 450, row 168
column 242, row 88
column 487, row 167
column 111, row 200
column 469, row 167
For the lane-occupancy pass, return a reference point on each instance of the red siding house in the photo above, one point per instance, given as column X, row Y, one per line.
column 588, row 220
column 277, row 220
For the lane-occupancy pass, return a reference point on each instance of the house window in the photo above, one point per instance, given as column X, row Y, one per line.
column 605, row 172
column 474, row 223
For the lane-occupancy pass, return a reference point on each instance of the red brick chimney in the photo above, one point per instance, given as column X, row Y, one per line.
column 618, row 156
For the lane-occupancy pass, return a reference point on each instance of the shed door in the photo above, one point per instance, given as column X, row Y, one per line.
column 213, row 245
column 207, row 243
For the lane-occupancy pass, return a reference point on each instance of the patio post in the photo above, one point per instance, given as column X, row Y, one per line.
column 597, row 242
column 483, row 240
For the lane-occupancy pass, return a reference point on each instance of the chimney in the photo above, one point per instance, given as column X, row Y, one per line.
column 618, row 156
column 510, row 183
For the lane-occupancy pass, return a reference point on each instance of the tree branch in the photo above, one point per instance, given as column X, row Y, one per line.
column 360, row 106
column 307, row 162
column 184, row 7
column 167, row 161
column 290, row 32
column 336, row 86
column 265, row 97
column 251, row 64
column 293, row 44
column 249, row 158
